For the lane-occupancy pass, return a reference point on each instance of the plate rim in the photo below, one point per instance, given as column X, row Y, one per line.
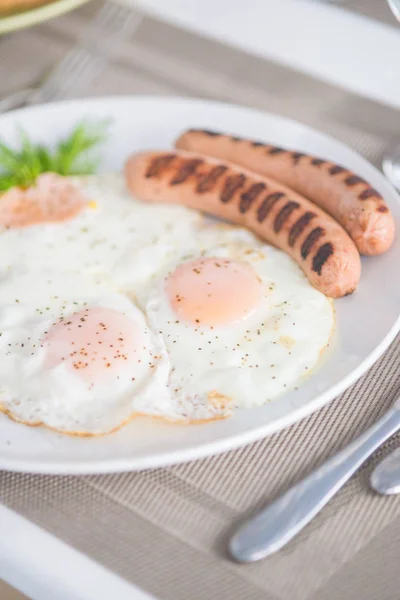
column 33, row 16
column 236, row 440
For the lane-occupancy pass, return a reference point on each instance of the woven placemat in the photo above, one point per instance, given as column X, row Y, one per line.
column 165, row 530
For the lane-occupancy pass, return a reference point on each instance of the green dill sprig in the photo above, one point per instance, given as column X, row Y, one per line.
column 72, row 156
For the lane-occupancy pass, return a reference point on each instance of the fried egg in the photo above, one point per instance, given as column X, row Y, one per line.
column 112, row 236
column 119, row 308
column 53, row 198
column 73, row 353
column 240, row 322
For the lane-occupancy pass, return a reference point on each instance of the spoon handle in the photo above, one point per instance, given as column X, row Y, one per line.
column 385, row 478
column 274, row 526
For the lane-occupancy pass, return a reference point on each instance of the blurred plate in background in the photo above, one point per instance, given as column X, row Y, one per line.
column 33, row 16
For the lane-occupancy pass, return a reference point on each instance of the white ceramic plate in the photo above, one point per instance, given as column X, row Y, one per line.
column 366, row 321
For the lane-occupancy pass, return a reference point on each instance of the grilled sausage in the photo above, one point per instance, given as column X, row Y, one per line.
column 346, row 196
column 278, row 215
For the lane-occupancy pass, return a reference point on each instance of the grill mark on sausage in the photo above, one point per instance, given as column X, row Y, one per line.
column 208, row 181
column 324, row 252
column 187, row 168
column 248, row 197
column 354, row 180
column 382, row 209
column 336, row 169
column 369, row 193
column 297, row 156
column 310, row 240
column 300, row 225
column 258, row 144
column 234, row 138
column 275, row 150
column 206, row 132
column 284, row 214
column 231, row 185
column 267, row 204
column 158, row 164
column 317, row 162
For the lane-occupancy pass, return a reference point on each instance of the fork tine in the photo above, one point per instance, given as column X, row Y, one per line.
column 102, row 18
column 108, row 18
column 86, row 60
column 93, row 62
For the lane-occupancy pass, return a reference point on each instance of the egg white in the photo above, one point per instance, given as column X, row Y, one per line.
column 252, row 361
column 117, row 254
column 112, row 238
column 58, row 397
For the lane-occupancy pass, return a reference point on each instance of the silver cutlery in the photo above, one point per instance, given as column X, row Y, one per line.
column 385, row 478
column 395, row 8
column 112, row 25
column 272, row 528
column 391, row 165
column 391, row 159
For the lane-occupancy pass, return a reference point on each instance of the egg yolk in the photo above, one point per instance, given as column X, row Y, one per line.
column 97, row 343
column 213, row 291
column 53, row 198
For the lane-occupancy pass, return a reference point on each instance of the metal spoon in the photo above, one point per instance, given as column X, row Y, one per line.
column 277, row 524
column 391, row 159
column 395, row 7
column 385, row 478
column 391, row 165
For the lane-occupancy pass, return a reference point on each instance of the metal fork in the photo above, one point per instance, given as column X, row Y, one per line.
column 112, row 25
